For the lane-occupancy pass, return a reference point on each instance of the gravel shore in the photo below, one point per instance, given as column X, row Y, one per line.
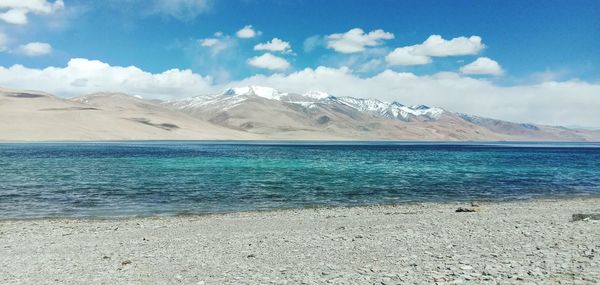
column 532, row 242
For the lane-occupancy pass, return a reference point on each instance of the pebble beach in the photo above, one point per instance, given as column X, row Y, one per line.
column 524, row 242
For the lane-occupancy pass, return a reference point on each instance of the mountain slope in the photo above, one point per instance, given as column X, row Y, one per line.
column 251, row 112
column 40, row 116
column 269, row 112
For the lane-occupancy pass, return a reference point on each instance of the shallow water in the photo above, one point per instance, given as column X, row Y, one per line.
column 151, row 178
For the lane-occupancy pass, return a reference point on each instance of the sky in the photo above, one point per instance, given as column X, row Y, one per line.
column 526, row 61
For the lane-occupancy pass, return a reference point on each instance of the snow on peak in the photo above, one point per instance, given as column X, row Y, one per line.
column 365, row 105
column 236, row 95
column 317, row 95
column 418, row 110
column 391, row 110
column 260, row 91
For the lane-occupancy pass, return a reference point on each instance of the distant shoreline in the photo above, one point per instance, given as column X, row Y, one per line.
column 511, row 242
column 298, row 141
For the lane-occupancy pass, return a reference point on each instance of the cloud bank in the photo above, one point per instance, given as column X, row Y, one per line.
column 557, row 103
column 83, row 76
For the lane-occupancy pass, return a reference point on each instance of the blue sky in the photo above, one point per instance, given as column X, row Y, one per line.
column 524, row 37
column 463, row 48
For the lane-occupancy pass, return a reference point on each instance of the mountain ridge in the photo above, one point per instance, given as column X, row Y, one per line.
column 384, row 120
column 252, row 112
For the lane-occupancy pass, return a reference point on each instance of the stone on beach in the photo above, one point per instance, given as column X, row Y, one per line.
column 586, row 217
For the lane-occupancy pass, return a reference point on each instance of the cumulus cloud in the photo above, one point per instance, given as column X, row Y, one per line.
column 183, row 10
column 356, row 40
column 35, row 49
column 551, row 102
column 406, row 56
column 83, row 76
column 435, row 46
column 269, row 61
column 482, row 65
column 16, row 11
column 247, row 32
column 274, row 45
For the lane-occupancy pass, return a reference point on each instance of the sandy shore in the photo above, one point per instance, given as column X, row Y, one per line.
column 505, row 243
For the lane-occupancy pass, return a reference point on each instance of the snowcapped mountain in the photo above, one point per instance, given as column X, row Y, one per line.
column 393, row 110
column 269, row 112
column 260, row 91
column 233, row 97
column 253, row 112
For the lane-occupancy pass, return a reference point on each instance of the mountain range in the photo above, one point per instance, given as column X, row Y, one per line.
column 252, row 113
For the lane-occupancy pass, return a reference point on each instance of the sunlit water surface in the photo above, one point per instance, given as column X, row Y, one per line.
column 154, row 178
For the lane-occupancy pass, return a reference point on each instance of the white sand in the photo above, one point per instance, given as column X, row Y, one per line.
column 507, row 243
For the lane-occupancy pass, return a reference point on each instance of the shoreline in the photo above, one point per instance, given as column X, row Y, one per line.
column 531, row 241
column 298, row 141
column 457, row 203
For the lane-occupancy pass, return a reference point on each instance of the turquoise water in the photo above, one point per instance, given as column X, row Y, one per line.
column 156, row 178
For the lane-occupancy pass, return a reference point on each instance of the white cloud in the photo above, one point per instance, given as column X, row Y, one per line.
column 35, row 49
column 247, row 32
column 356, row 40
column 183, row 10
column 406, row 56
column 14, row 16
column 555, row 103
column 269, row 61
column 274, row 45
column 16, row 11
column 3, row 42
column 83, row 76
column 435, row 46
column 482, row 65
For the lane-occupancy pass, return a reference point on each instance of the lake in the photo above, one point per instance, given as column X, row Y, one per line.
column 138, row 178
